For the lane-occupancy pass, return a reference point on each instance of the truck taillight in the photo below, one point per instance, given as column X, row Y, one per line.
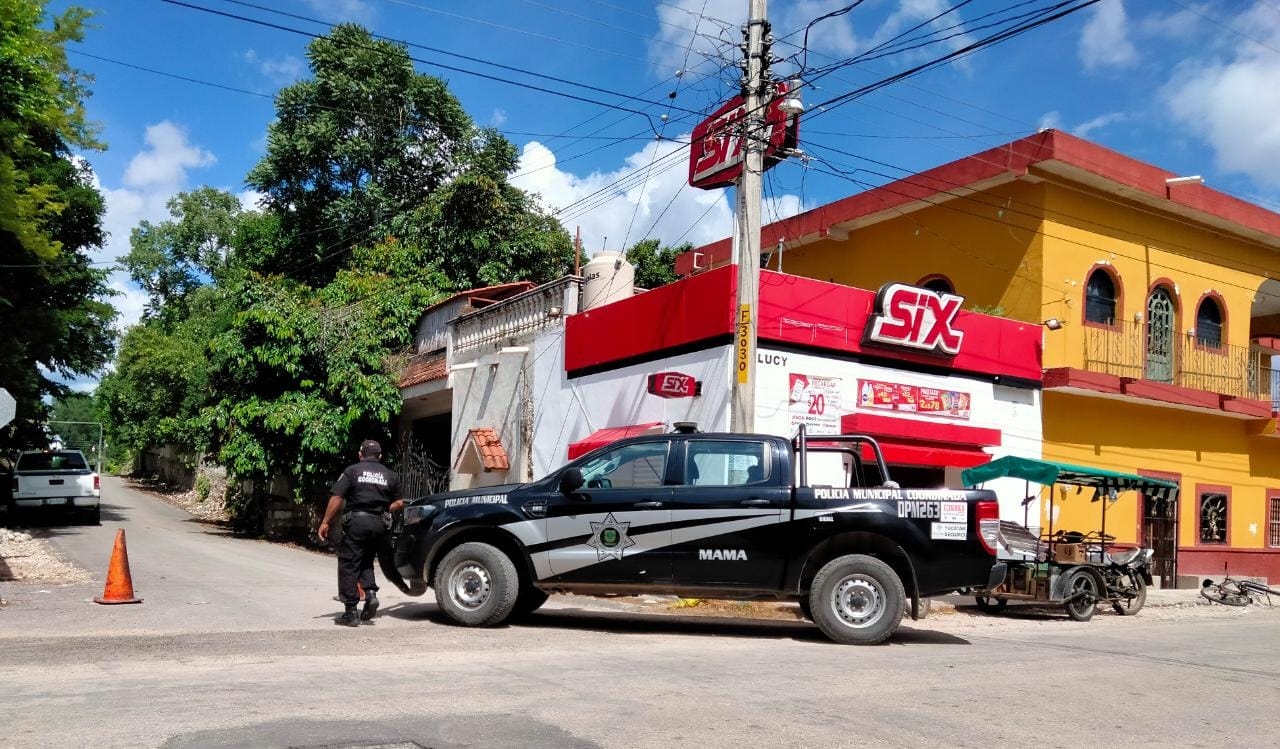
column 15, row 485
column 97, row 482
column 988, row 514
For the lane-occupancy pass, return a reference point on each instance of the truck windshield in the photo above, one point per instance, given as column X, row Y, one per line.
column 52, row 461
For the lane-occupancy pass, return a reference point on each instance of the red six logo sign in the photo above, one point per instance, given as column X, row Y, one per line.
column 674, row 385
column 916, row 318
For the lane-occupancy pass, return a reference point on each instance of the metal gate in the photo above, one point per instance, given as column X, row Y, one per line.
column 1160, row 533
column 419, row 474
column 1160, row 336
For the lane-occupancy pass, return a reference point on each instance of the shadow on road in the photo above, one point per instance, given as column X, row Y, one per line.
column 47, row 523
column 624, row 622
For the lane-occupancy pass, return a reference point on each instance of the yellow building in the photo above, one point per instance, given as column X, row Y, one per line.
column 1162, row 313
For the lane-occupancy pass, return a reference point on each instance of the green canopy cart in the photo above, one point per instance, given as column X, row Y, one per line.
column 1069, row 568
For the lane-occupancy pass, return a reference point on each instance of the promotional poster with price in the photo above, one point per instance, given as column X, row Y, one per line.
column 815, row 402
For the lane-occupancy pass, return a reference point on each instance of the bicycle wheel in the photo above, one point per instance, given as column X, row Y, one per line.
column 1224, row 595
column 1249, row 586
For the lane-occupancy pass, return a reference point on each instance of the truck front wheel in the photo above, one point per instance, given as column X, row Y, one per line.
column 857, row 600
column 477, row 585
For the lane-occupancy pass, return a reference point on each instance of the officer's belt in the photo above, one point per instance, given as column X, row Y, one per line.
column 363, row 512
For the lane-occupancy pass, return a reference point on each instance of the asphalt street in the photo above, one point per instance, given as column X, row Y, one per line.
column 234, row 646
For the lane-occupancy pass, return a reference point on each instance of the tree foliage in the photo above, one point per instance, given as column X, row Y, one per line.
column 52, row 299
column 272, row 336
column 655, row 265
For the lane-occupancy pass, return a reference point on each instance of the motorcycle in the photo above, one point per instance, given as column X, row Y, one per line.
column 1127, row 575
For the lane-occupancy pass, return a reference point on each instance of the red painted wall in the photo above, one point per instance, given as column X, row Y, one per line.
column 1238, row 562
column 792, row 310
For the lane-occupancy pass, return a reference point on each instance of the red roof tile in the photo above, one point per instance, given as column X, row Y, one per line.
column 489, row 447
column 423, row 369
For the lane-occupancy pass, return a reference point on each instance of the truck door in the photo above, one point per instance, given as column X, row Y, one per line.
column 725, row 512
column 615, row 530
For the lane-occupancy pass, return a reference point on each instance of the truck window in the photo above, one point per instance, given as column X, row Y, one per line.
column 630, row 467
column 725, row 463
column 833, row 467
column 52, row 461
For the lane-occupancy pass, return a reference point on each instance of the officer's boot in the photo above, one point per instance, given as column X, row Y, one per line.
column 350, row 617
column 370, row 604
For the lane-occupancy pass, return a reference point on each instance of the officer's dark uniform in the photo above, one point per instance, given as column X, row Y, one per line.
column 369, row 488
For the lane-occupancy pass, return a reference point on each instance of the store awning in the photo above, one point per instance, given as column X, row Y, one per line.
column 1048, row 473
column 929, row 454
column 602, row 437
column 915, row 442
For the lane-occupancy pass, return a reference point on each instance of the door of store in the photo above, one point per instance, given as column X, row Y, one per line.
column 1160, row 533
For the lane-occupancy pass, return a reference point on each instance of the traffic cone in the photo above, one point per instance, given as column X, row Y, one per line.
column 119, row 588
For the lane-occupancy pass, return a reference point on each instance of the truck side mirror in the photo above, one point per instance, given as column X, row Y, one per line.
column 571, row 481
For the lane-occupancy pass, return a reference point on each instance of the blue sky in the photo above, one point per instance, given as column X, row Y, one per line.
column 1188, row 86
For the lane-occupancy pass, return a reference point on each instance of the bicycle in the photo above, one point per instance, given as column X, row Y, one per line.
column 1233, row 592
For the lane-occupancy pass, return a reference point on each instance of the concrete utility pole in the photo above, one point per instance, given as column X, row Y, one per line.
column 742, row 410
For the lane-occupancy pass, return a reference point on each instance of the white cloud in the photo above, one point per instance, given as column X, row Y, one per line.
column 152, row 177
column 164, row 164
column 680, row 20
column 498, row 118
column 343, row 10
column 830, row 36
column 1230, row 102
column 1087, row 127
column 664, row 207
column 1050, row 121
column 1181, row 24
column 250, row 199
column 1104, row 41
column 912, row 12
column 279, row 70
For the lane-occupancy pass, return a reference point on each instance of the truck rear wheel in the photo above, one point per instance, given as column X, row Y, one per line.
column 476, row 585
column 857, row 599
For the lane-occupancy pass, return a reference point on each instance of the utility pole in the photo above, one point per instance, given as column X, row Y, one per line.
column 742, row 410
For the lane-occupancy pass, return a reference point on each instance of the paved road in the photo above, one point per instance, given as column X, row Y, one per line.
column 206, row 662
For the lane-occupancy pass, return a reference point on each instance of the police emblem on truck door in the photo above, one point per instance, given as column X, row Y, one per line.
column 609, row 538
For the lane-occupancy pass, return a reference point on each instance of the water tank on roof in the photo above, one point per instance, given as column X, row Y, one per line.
column 607, row 277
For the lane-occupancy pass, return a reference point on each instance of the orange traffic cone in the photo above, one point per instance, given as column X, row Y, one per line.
column 119, row 588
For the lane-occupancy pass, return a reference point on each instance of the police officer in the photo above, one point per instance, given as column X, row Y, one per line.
column 369, row 489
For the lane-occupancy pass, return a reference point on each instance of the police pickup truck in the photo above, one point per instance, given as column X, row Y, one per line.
column 729, row 516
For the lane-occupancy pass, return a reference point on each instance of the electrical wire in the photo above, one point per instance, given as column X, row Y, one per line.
column 433, row 63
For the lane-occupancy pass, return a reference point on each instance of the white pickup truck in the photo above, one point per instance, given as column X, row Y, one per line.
column 56, row 479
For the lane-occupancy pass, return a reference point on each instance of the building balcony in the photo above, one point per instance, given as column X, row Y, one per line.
column 1127, row 361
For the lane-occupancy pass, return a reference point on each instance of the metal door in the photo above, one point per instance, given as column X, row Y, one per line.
column 1160, row 336
column 1160, row 533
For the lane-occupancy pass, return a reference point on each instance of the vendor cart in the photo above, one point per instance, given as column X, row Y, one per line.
column 1067, row 568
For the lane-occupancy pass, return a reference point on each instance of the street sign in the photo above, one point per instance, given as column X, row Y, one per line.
column 8, row 407
column 716, row 154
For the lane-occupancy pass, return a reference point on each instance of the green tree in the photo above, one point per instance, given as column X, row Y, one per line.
column 655, row 265
column 52, row 299
column 366, row 138
column 171, row 259
column 71, row 417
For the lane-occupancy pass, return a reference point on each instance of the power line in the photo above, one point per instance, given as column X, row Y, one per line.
column 464, row 71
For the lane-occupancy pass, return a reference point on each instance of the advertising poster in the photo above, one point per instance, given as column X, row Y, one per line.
column 815, row 402
column 895, row 396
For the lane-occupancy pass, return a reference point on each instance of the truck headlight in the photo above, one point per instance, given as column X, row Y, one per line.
column 417, row 513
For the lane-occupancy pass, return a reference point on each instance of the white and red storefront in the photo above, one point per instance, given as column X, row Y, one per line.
column 940, row 389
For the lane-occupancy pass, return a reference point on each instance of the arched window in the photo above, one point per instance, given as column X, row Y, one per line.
column 1209, row 323
column 937, row 284
column 1100, row 298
